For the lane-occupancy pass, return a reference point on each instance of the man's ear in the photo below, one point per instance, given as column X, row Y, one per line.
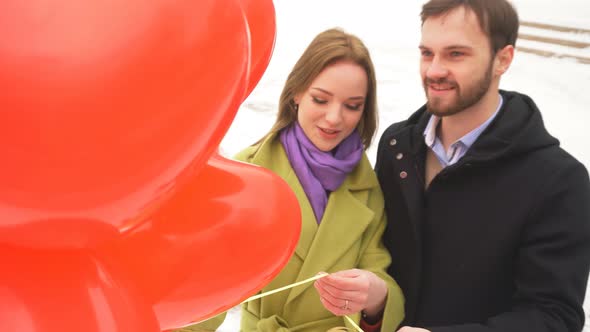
column 503, row 60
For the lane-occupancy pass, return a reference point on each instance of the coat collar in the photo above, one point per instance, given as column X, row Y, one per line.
column 270, row 154
column 518, row 128
column 345, row 219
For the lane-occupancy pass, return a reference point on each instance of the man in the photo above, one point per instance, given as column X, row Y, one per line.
column 489, row 219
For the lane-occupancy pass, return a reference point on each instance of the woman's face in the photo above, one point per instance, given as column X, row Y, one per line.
column 331, row 108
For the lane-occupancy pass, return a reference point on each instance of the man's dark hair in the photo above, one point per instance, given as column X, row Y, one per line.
column 497, row 18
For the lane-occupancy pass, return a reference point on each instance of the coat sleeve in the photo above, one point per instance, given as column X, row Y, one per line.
column 552, row 263
column 376, row 259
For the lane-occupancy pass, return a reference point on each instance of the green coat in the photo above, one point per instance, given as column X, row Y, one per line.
column 349, row 236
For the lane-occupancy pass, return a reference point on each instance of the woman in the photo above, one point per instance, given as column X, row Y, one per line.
column 327, row 117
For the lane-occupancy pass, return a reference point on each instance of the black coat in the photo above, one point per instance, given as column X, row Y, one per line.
column 500, row 241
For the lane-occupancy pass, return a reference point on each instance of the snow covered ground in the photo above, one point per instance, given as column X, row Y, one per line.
column 391, row 30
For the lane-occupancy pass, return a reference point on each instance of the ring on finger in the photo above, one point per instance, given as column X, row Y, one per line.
column 346, row 305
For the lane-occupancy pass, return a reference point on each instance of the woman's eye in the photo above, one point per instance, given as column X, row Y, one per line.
column 353, row 107
column 318, row 100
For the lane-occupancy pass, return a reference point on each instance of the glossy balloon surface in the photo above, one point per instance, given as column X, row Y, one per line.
column 262, row 27
column 104, row 105
column 214, row 244
column 116, row 213
column 67, row 290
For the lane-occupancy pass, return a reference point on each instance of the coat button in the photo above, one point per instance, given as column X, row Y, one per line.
column 399, row 156
column 393, row 142
column 403, row 174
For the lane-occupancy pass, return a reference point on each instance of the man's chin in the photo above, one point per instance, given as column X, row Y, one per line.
column 440, row 111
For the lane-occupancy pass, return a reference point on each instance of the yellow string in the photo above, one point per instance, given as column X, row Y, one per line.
column 252, row 298
column 353, row 324
column 316, row 277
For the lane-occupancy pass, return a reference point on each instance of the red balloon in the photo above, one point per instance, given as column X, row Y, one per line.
column 260, row 15
column 110, row 113
column 216, row 242
column 104, row 107
column 66, row 291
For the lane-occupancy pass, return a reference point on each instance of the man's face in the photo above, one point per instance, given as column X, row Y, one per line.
column 456, row 63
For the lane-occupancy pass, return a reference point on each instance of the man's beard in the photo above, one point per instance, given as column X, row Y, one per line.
column 464, row 99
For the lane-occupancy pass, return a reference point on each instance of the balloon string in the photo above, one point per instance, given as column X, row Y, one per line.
column 316, row 277
column 358, row 328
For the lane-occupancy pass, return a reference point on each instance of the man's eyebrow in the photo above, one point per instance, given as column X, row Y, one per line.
column 450, row 47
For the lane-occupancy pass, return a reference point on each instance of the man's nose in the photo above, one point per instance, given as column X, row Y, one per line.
column 436, row 69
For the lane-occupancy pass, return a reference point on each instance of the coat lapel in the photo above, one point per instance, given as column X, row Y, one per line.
column 407, row 160
column 272, row 156
column 412, row 186
column 345, row 220
column 309, row 226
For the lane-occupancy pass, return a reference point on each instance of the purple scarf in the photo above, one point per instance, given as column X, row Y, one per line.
column 320, row 172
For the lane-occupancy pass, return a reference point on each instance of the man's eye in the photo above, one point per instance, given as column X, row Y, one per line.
column 425, row 53
column 456, row 54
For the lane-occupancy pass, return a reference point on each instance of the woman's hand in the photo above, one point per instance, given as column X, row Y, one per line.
column 350, row 291
column 412, row 329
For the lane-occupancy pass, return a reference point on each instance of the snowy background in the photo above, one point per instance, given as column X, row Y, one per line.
column 391, row 31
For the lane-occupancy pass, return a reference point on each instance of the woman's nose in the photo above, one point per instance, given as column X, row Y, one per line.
column 334, row 114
